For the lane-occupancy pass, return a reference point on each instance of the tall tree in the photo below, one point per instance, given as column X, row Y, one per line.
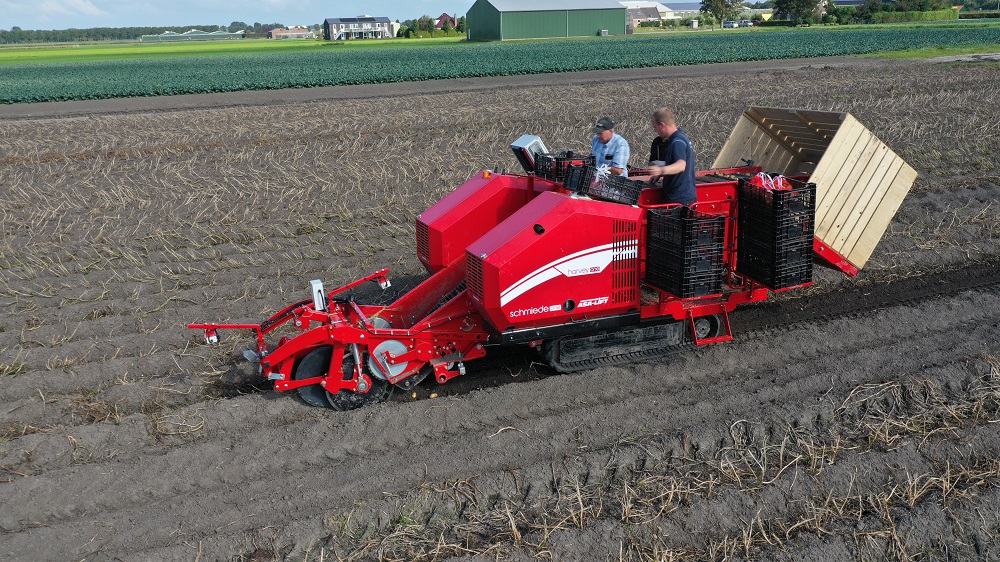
column 461, row 25
column 425, row 23
column 722, row 9
column 446, row 26
column 798, row 11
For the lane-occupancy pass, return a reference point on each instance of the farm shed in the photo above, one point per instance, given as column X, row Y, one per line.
column 500, row 20
column 193, row 35
column 860, row 182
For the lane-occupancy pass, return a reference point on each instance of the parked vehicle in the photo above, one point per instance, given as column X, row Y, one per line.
column 730, row 25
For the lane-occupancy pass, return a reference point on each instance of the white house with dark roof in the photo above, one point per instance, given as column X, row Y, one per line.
column 361, row 27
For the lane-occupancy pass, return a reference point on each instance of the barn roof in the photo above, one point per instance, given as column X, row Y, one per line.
column 637, row 13
column 540, row 5
column 684, row 6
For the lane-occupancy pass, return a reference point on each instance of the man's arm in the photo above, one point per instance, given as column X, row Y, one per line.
column 670, row 169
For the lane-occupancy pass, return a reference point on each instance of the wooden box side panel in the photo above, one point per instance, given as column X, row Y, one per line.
column 860, row 184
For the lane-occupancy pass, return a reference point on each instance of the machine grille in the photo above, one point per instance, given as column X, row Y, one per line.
column 423, row 242
column 474, row 275
column 625, row 263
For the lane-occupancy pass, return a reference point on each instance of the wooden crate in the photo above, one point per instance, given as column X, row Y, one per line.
column 860, row 182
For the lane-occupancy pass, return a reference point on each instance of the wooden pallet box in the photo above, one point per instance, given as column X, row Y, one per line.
column 860, row 182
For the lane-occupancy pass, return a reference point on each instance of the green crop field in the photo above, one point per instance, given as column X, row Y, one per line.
column 330, row 66
column 136, row 50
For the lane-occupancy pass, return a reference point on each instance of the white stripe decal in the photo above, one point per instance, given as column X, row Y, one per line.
column 555, row 263
column 585, row 262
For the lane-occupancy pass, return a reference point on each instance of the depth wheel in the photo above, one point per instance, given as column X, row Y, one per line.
column 316, row 363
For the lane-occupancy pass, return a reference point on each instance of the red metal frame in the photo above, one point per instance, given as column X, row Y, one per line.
column 833, row 258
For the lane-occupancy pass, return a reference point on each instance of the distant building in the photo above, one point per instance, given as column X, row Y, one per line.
column 684, row 9
column 637, row 16
column 193, row 35
column 665, row 12
column 291, row 33
column 500, row 20
column 443, row 18
column 361, row 27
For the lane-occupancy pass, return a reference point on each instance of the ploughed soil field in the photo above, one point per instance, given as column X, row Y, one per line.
column 855, row 419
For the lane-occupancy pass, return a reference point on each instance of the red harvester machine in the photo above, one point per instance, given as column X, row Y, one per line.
column 592, row 273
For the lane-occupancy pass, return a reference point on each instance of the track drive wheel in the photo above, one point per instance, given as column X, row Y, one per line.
column 708, row 326
column 316, row 363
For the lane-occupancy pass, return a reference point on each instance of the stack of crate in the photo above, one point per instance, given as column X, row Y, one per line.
column 775, row 233
column 554, row 166
column 684, row 251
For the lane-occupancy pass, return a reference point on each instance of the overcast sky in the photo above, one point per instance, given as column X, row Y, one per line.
column 64, row 14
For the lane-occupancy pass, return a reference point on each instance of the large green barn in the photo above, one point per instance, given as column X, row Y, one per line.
column 500, row 20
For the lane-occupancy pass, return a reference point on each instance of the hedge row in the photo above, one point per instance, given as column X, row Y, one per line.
column 900, row 17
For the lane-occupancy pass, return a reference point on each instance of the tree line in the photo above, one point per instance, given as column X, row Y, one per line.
column 809, row 11
column 424, row 26
column 16, row 35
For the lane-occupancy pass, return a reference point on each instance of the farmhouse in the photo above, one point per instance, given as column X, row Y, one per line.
column 501, row 20
column 361, row 27
column 446, row 18
column 637, row 16
column 193, row 35
column 294, row 32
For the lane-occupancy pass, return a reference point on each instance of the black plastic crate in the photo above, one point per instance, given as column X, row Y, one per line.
column 778, row 274
column 685, row 227
column 684, row 286
column 579, row 178
column 757, row 201
column 553, row 166
column 691, row 260
column 776, row 266
column 776, row 228
column 618, row 189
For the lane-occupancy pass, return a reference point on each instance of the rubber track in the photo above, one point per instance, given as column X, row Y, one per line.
column 626, row 358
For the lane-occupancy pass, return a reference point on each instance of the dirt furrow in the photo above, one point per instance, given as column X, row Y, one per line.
column 430, row 429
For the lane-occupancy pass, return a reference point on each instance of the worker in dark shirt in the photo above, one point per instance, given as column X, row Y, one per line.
column 672, row 157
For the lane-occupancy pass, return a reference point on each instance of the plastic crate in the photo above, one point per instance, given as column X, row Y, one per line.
column 553, row 166
column 776, row 266
column 776, row 228
column 692, row 260
column 683, row 227
column 775, row 275
column 618, row 189
column 684, row 286
column 801, row 198
column 579, row 178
